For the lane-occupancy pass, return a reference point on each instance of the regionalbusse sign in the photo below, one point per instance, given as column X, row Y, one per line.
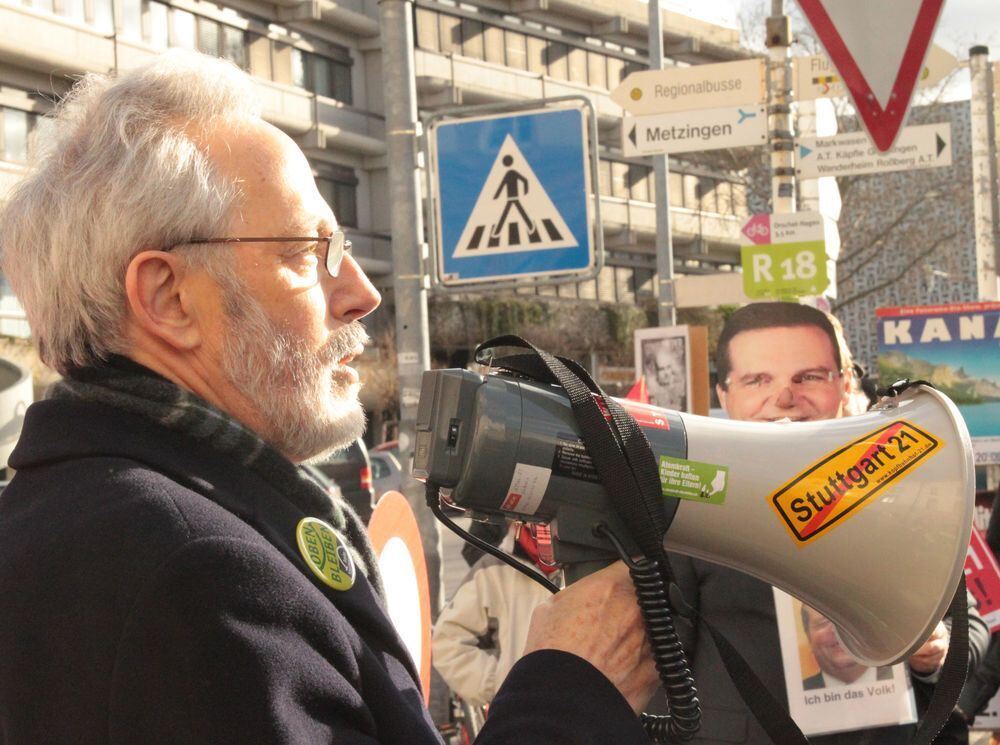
column 724, row 84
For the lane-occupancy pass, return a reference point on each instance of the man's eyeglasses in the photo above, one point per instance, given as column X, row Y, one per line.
column 806, row 380
column 332, row 246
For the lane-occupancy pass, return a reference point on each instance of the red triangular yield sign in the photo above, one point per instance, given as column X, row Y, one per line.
column 878, row 47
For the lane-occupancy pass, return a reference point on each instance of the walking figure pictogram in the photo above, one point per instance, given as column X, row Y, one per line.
column 513, row 212
column 509, row 184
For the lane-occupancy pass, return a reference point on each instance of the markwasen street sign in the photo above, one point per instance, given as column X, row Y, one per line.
column 851, row 154
column 687, row 131
column 721, row 85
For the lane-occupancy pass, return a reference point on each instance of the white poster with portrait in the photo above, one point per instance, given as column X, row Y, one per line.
column 828, row 690
column 663, row 355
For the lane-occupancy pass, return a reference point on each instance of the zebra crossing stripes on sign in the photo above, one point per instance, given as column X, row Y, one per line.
column 513, row 212
column 512, row 195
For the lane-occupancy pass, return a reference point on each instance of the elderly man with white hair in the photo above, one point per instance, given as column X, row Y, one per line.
column 167, row 573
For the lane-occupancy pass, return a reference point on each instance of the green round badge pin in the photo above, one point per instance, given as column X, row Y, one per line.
column 326, row 553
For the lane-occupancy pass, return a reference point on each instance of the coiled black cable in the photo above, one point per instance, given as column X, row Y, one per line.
column 684, row 719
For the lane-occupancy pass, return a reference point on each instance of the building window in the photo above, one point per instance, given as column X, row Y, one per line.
column 184, row 28
column 15, row 128
column 342, row 87
column 517, row 50
column 73, row 9
column 158, row 18
column 102, row 15
column 298, row 58
column 472, row 39
column 342, row 196
column 329, row 78
column 130, row 13
column 42, row 5
column 208, row 36
column 638, row 180
column 426, row 30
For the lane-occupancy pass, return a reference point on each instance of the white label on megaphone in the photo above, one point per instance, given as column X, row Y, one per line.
column 527, row 487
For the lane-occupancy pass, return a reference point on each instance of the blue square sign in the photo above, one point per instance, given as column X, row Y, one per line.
column 512, row 196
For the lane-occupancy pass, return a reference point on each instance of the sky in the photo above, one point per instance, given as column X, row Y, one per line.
column 963, row 23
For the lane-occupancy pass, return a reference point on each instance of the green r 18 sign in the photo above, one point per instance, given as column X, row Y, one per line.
column 784, row 270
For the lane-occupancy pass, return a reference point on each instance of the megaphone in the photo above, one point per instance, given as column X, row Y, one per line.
column 867, row 519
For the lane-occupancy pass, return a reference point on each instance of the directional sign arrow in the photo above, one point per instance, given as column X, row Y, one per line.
column 941, row 144
column 631, row 136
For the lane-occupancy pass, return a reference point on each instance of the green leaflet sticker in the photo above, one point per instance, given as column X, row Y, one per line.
column 689, row 479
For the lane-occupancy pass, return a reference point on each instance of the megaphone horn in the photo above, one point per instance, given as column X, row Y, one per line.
column 866, row 519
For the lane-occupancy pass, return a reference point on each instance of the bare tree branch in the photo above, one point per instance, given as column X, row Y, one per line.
column 913, row 262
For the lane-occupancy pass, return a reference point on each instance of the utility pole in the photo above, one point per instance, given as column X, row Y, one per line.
column 779, row 109
column 983, row 173
column 409, row 283
column 666, row 311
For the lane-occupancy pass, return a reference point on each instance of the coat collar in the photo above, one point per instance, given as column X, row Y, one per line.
column 59, row 430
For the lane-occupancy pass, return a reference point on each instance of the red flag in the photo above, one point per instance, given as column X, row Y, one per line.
column 638, row 391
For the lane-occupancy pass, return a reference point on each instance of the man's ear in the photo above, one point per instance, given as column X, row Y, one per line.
column 155, row 284
column 851, row 383
column 721, row 393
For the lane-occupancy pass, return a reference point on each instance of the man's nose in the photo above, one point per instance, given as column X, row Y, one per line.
column 785, row 397
column 351, row 294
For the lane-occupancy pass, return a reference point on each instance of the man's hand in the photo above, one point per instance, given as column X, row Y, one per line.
column 927, row 660
column 598, row 619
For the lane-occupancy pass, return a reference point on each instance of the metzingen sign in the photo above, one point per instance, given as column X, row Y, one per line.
column 687, row 131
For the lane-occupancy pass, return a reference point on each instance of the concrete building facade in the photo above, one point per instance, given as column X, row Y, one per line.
column 317, row 66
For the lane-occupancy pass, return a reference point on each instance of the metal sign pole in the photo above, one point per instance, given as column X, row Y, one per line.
column 666, row 310
column 779, row 109
column 409, row 282
column 983, row 196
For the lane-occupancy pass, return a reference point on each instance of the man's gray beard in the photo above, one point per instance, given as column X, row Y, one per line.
column 306, row 414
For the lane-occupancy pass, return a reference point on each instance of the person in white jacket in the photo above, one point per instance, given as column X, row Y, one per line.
column 482, row 631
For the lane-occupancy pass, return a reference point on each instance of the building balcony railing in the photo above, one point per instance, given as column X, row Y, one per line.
column 41, row 41
column 356, row 16
column 448, row 79
column 631, row 225
column 627, row 22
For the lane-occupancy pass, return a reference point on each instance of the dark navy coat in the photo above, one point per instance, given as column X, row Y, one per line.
column 151, row 591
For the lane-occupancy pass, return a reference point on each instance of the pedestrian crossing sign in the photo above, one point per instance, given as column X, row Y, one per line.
column 512, row 196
